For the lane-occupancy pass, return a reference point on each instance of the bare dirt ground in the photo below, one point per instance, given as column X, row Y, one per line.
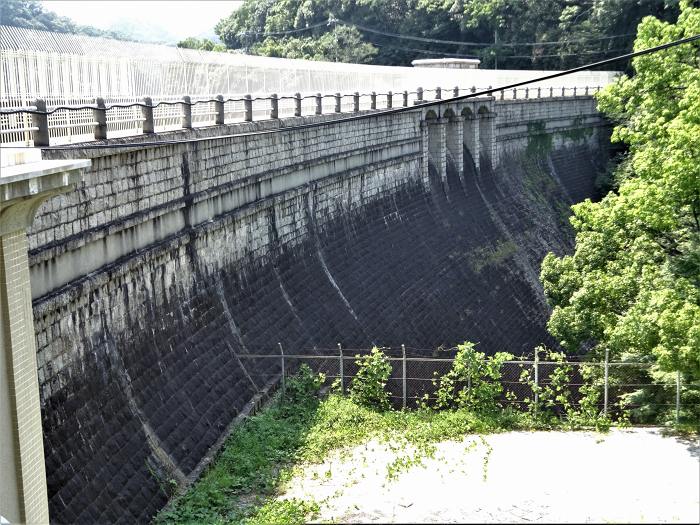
column 631, row 475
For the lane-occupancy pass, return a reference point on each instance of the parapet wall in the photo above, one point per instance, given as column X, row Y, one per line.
column 158, row 275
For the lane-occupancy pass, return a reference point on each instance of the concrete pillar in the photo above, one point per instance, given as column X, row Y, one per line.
column 390, row 99
column 99, row 114
column 471, row 137
column 40, row 120
column 437, row 146
column 274, row 106
column 455, row 140
column 487, row 136
column 319, row 104
column 23, row 188
column 425, row 153
column 373, row 100
column 297, row 104
column 248, row 108
column 219, row 110
column 148, row 125
column 186, row 112
column 356, row 102
column 338, row 101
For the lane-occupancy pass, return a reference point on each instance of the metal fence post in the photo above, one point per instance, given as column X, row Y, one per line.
column 403, row 363
column 356, row 102
column 537, row 380
column 248, row 108
column 319, row 103
column 219, row 110
column 297, row 104
column 405, row 98
column 186, row 112
column 390, row 100
column 274, row 106
column 284, row 371
column 678, row 396
column 340, row 368
column 373, row 100
column 99, row 113
column 148, row 125
column 338, row 100
column 40, row 120
column 605, row 392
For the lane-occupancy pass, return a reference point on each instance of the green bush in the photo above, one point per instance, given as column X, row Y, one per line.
column 368, row 388
column 303, row 386
column 473, row 382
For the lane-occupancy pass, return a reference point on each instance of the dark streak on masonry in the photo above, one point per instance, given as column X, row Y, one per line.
column 169, row 264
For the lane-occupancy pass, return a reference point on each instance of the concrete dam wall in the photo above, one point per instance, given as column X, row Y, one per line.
column 157, row 275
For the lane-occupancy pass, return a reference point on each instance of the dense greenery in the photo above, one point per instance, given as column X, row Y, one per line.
column 31, row 14
column 203, row 44
column 588, row 30
column 633, row 283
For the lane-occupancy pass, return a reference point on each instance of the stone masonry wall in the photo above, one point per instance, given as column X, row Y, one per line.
column 157, row 276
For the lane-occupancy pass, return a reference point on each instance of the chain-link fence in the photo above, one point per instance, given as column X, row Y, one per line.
column 630, row 390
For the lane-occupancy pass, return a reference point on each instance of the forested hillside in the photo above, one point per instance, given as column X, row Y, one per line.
column 536, row 34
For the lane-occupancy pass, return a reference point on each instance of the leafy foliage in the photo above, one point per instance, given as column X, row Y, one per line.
column 300, row 26
column 203, row 44
column 369, row 385
column 32, row 15
column 473, row 382
column 633, row 283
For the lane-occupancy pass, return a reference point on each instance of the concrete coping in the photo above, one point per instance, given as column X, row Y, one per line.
column 39, row 177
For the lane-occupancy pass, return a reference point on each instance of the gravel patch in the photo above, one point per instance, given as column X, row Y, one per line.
column 633, row 475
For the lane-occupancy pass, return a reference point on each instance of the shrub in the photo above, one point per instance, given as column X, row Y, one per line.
column 303, row 386
column 473, row 382
column 369, row 385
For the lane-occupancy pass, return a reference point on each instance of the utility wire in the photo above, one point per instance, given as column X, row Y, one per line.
column 392, row 111
column 481, row 44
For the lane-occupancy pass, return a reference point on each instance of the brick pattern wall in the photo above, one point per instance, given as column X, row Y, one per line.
column 275, row 238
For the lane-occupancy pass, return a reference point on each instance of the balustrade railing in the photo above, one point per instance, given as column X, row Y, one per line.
column 51, row 121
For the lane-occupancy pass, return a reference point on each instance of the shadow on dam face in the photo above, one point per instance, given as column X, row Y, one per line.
column 427, row 265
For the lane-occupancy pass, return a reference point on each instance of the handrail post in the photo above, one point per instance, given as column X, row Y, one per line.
column 319, row 104
column 539, row 92
column 338, row 99
column 186, row 112
column 563, row 91
column 373, row 100
column 586, row 91
column 356, row 102
column 284, row 371
column 405, row 99
column 419, row 95
column 574, row 90
column 551, row 91
column 297, row 104
column 390, row 100
column 455, row 91
column 147, row 114
column 527, row 92
column 219, row 110
column 605, row 379
column 274, row 106
column 99, row 114
column 340, row 368
column 403, row 363
column 248, row 108
column 515, row 93
column 438, row 93
column 503, row 94
column 40, row 120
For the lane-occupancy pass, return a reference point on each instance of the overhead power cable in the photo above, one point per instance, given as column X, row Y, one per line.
column 279, row 33
column 392, row 111
column 480, row 44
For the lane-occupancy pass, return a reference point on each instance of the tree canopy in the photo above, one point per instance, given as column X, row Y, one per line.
column 633, row 283
column 504, row 30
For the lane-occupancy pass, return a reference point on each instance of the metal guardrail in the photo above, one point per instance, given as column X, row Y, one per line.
column 413, row 376
column 41, row 124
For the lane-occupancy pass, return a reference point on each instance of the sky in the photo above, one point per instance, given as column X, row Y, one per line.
column 178, row 18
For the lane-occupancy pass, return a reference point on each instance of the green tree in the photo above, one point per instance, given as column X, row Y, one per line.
column 31, row 14
column 203, row 44
column 633, row 283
